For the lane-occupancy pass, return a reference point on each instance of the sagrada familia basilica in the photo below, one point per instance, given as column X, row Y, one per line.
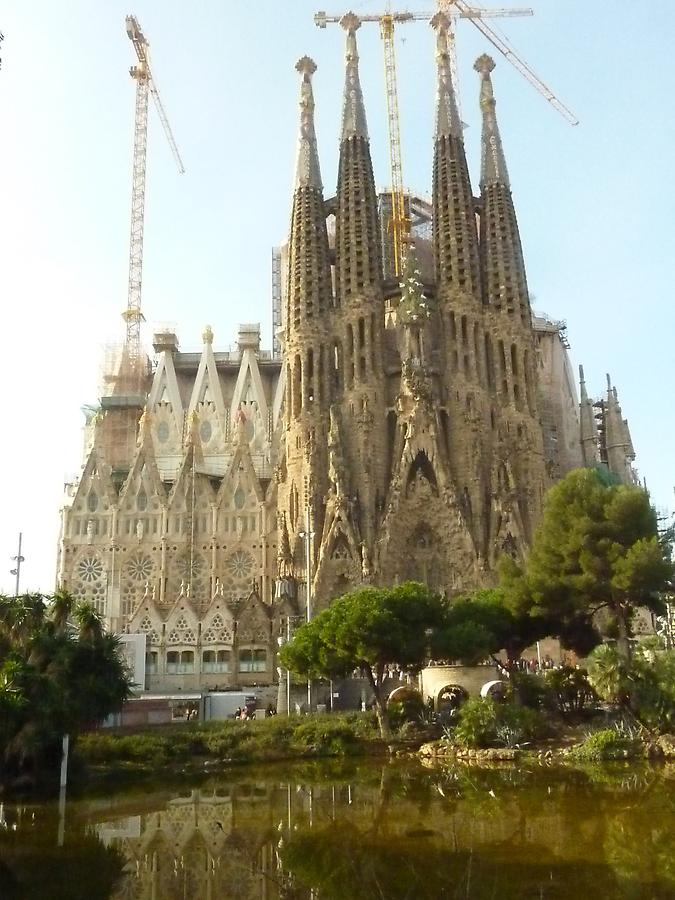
column 408, row 429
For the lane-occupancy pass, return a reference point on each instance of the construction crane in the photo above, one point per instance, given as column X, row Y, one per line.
column 399, row 223
column 454, row 10
column 145, row 85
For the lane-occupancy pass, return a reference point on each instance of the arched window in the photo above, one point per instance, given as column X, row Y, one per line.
column 252, row 660
column 215, row 661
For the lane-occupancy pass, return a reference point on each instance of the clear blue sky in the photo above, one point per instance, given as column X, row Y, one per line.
column 595, row 203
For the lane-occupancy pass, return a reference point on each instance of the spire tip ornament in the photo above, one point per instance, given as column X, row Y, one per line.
column 306, row 67
column 484, row 65
column 350, row 22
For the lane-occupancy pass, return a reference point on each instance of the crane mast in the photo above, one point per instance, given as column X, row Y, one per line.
column 454, row 10
column 400, row 222
column 145, row 86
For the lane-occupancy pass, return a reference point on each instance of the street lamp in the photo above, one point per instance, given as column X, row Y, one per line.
column 307, row 536
column 18, row 559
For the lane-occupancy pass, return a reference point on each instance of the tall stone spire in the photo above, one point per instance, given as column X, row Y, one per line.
column 353, row 111
column 309, row 288
column 503, row 268
column 307, row 171
column 618, row 443
column 357, row 244
column 309, row 299
column 587, row 424
column 454, row 224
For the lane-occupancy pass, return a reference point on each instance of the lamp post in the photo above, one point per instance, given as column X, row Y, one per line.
column 18, row 559
column 307, row 535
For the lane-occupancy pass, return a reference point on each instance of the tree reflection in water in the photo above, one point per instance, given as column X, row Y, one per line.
column 360, row 831
column 33, row 865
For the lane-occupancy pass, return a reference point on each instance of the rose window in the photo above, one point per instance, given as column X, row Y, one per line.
column 140, row 568
column 189, row 568
column 240, row 563
column 90, row 569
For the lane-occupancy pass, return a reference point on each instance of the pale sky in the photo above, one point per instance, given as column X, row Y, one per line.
column 595, row 203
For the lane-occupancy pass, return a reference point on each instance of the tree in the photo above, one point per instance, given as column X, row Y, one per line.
column 369, row 629
column 59, row 672
column 597, row 548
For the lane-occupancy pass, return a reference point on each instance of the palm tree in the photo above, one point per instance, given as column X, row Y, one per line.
column 607, row 673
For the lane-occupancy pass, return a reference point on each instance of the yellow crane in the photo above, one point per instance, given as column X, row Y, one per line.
column 454, row 10
column 145, row 86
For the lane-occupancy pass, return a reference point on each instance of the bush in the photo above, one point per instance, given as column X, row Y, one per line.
column 325, row 737
column 482, row 723
column 409, row 709
column 570, row 689
column 531, row 690
column 606, row 744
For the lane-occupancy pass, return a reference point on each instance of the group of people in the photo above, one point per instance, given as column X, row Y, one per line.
column 248, row 713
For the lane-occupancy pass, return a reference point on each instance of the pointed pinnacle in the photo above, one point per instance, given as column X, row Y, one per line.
column 353, row 110
column 308, row 171
column 448, row 122
column 493, row 163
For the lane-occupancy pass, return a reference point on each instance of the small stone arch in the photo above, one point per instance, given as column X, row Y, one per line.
column 450, row 697
column 402, row 693
column 494, row 690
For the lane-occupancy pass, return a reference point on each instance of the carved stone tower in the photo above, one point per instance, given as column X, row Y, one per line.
column 518, row 476
column 303, row 477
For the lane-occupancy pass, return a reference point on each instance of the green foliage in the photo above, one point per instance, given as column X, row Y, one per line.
column 606, row 744
column 597, row 547
column 483, row 723
column 645, row 683
column 530, row 689
column 59, row 672
column 409, row 709
column 279, row 737
column 369, row 629
column 608, row 673
column 569, row 689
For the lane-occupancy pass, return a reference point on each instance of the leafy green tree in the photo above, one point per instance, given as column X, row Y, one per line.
column 59, row 672
column 369, row 629
column 596, row 549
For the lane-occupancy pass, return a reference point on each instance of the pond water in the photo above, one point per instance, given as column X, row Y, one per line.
column 354, row 831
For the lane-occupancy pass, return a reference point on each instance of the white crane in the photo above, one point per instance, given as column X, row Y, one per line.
column 145, row 84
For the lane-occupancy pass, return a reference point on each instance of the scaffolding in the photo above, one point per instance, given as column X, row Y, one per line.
column 123, row 393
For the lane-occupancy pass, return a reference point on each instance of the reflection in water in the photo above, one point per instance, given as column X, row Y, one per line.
column 400, row 831
column 33, row 865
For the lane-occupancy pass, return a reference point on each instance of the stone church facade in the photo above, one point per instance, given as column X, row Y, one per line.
column 408, row 430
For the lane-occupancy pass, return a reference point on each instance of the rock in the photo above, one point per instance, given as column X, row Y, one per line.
column 433, row 748
column 666, row 744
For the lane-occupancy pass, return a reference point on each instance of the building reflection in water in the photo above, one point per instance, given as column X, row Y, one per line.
column 393, row 829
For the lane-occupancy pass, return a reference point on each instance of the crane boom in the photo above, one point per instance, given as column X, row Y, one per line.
column 399, row 223
column 510, row 54
column 145, row 85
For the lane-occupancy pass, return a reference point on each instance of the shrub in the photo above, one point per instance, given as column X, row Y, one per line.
column 409, row 707
column 606, row 744
column 531, row 690
column 476, row 722
column 482, row 723
column 325, row 737
column 570, row 689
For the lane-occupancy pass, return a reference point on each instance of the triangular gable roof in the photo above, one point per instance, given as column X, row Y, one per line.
column 241, row 457
column 96, row 472
column 144, row 458
column 165, row 389
column 248, row 370
column 278, row 399
column 207, row 386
